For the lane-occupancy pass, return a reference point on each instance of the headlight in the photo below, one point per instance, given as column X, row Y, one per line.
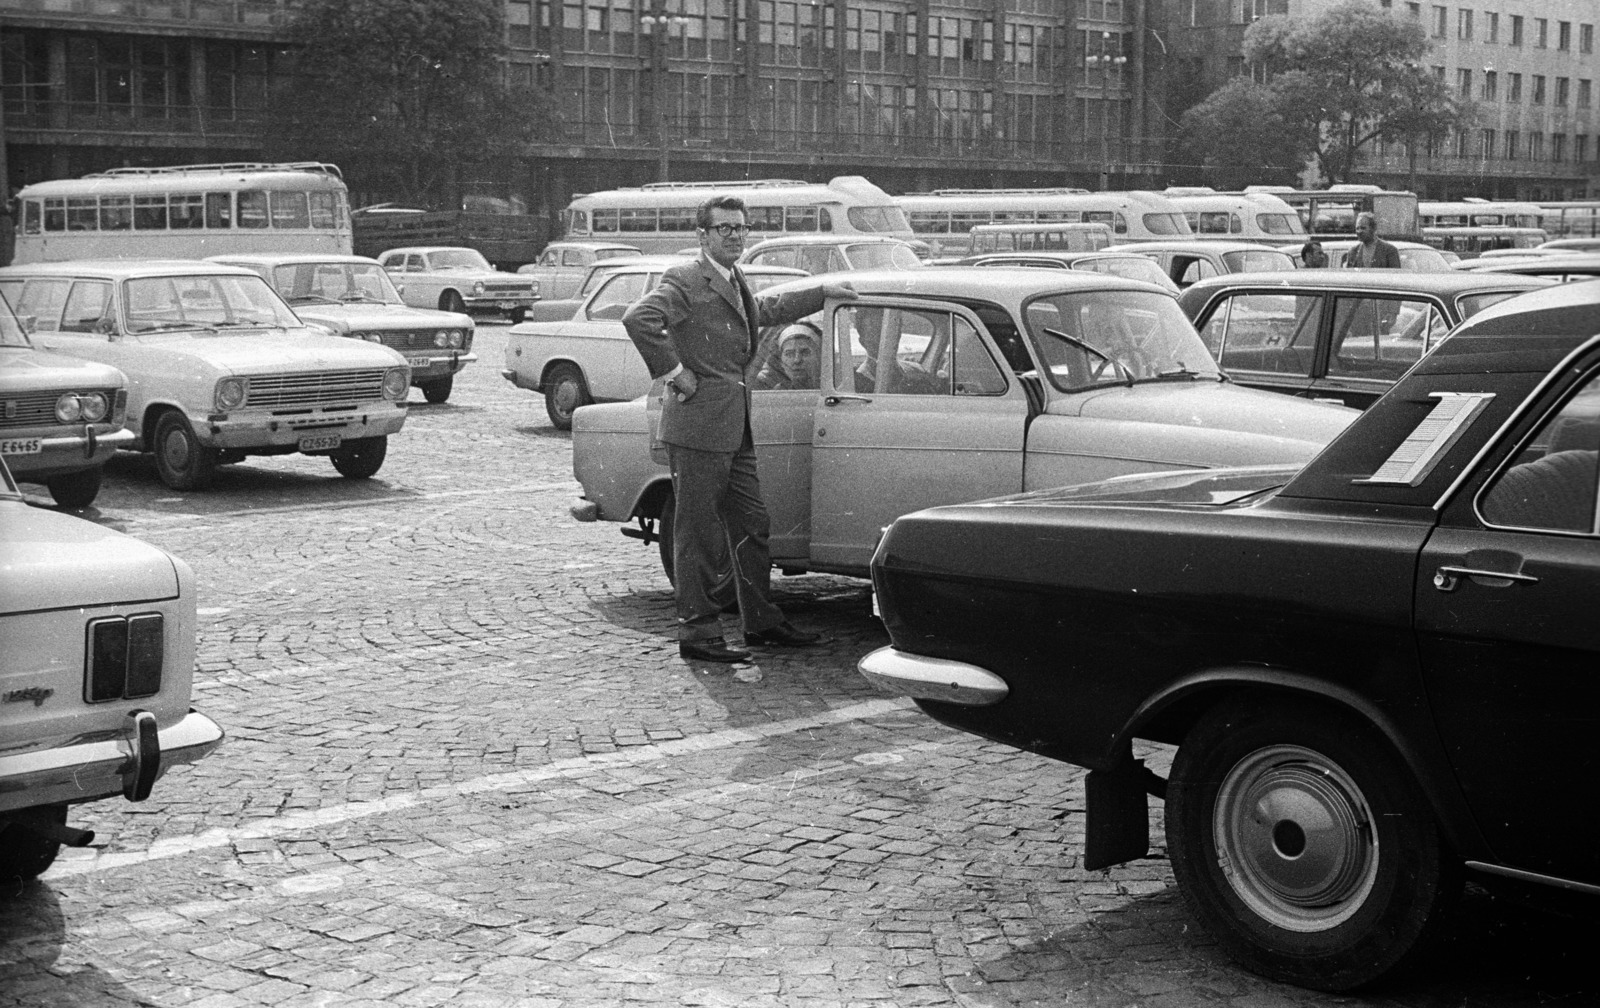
column 372, row 337
column 396, row 383
column 441, row 338
column 457, row 338
column 68, row 409
column 477, row 288
column 94, row 407
column 230, row 394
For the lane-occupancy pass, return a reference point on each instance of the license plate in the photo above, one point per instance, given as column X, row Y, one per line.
column 420, row 362
column 508, row 304
column 21, row 446
column 320, row 442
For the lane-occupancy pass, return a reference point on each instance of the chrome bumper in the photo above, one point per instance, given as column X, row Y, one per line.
column 514, row 376
column 125, row 763
column 259, row 432
column 69, row 454
column 425, row 365
column 921, row 678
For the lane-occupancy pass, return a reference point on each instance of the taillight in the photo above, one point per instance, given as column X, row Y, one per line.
column 124, row 657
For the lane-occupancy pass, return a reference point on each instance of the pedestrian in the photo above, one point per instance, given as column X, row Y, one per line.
column 1370, row 251
column 1312, row 256
column 698, row 330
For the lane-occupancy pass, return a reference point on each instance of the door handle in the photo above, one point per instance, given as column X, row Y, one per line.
column 1449, row 578
column 834, row 400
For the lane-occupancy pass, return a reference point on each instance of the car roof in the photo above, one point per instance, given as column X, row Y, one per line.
column 122, row 269
column 827, row 239
column 1542, row 264
column 981, row 283
column 1059, row 255
column 429, row 248
column 1396, row 281
column 1196, row 245
column 266, row 259
column 579, row 243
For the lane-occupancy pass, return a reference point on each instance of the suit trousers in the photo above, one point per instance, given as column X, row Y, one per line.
column 720, row 517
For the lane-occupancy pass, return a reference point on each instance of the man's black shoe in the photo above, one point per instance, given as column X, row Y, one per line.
column 712, row 649
column 782, row 635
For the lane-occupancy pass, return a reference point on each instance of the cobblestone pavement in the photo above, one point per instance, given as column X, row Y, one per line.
column 466, row 767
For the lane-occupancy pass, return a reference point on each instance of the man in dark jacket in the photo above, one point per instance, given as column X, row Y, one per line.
column 1370, row 251
column 698, row 330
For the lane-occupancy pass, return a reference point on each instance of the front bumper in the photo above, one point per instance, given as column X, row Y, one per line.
column 514, row 376
column 922, row 678
column 246, row 431
column 498, row 302
column 72, row 453
column 427, row 366
column 104, row 765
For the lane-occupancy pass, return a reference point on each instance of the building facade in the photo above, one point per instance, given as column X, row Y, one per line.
column 1530, row 66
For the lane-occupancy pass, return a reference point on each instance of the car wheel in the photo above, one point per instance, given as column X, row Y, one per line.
column 438, row 390
column 564, row 391
column 360, row 458
column 75, row 490
column 669, row 505
column 1300, row 841
column 25, row 854
column 451, row 301
column 182, row 462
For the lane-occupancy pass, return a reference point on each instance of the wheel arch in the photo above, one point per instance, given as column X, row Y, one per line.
column 651, row 496
column 150, row 416
column 551, row 363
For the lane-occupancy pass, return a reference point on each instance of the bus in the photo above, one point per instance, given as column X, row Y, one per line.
column 185, row 212
column 944, row 218
column 1237, row 216
column 1331, row 213
column 1040, row 236
column 658, row 218
column 1472, row 212
column 1575, row 219
column 1472, row 242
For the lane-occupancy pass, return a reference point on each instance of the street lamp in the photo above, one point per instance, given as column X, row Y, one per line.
column 1105, row 61
column 659, row 27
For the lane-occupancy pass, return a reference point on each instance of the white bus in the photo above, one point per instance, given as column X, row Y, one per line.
column 1573, row 219
column 1238, row 216
column 1478, row 213
column 185, row 212
column 945, row 218
column 1470, row 242
column 659, row 217
column 1040, row 236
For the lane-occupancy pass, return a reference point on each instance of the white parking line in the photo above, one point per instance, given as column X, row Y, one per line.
column 81, row 862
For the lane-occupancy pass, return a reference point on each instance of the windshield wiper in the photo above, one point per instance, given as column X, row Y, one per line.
column 361, row 297
column 312, row 299
column 1184, row 371
column 1120, row 367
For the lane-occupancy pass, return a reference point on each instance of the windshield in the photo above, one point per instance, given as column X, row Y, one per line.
column 1257, row 261
column 882, row 255
column 616, row 253
column 1166, row 223
column 1423, row 260
column 334, row 282
column 11, row 334
column 1090, row 338
column 175, row 303
column 878, row 218
column 1131, row 267
column 1280, row 223
column 457, row 259
column 8, row 486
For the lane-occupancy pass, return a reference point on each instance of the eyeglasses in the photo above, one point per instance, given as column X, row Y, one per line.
column 729, row 230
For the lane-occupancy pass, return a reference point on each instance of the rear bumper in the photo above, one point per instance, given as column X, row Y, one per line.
column 922, row 678
column 57, row 455
column 105, row 766
column 514, row 376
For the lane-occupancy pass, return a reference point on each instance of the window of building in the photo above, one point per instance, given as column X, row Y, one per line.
column 1583, row 93
column 1538, row 89
column 1541, row 33
column 1513, row 143
column 1535, row 146
column 1415, row 10
column 1514, row 87
column 1464, row 25
column 1580, row 149
column 1564, row 36
column 1488, row 143
column 1464, row 83
column 1491, row 26
column 1490, row 85
column 1516, row 29
column 1563, row 90
column 1558, row 147
column 1440, row 20
column 1586, row 38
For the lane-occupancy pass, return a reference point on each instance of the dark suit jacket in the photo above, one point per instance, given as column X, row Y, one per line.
column 1384, row 255
column 692, row 318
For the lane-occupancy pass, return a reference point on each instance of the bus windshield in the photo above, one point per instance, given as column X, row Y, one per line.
column 1166, row 223
column 1280, row 224
column 874, row 219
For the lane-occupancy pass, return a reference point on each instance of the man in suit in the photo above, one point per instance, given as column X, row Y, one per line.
column 1370, row 251
column 699, row 330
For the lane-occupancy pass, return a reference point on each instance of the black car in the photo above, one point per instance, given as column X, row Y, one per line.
column 1335, row 335
column 1382, row 671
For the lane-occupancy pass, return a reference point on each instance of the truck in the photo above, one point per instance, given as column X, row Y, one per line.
column 506, row 240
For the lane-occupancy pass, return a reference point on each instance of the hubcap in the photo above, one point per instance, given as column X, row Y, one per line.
column 566, row 397
column 1295, row 838
column 176, row 449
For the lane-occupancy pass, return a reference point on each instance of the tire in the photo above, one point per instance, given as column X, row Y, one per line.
column 438, row 390
column 564, row 391
column 664, row 525
column 182, row 462
column 360, row 458
column 451, row 301
column 75, row 490
column 1357, row 899
column 25, row 854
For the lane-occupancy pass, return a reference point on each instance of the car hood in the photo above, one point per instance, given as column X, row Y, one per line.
column 25, row 369
column 1213, row 405
column 49, row 560
column 274, row 352
column 366, row 315
column 1209, row 486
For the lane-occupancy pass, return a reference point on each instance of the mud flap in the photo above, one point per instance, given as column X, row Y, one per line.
column 1118, row 827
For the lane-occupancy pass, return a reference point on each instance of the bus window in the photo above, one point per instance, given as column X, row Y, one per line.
column 83, row 214
column 150, row 212
column 289, row 209
column 677, row 219
column 638, row 220
column 32, row 218
column 55, row 215
column 252, row 209
column 1210, row 223
column 577, row 222
column 116, row 213
column 186, row 210
column 800, row 219
column 324, row 209
column 825, row 220
column 930, row 222
column 219, row 210
column 605, row 221
column 964, row 222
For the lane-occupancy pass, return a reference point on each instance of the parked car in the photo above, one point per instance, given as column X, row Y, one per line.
column 588, row 357
column 1337, row 335
column 950, row 384
column 458, row 280
column 60, row 417
column 1415, row 257
column 218, row 366
column 1122, row 264
column 353, row 296
column 564, row 265
column 1565, row 245
column 1560, row 268
column 833, row 253
column 1378, row 669
column 98, row 630
column 1184, row 262
column 565, row 308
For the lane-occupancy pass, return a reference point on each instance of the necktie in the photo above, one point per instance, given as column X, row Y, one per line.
column 746, row 304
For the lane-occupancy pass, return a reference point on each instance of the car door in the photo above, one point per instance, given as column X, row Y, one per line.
column 1505, row 615
column 916, row 410
column 1266, row 339
column 1372, row 341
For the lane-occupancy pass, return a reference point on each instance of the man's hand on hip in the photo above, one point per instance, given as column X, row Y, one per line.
column 683, row 384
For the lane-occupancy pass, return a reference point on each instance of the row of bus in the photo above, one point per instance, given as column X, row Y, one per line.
column 191, row 210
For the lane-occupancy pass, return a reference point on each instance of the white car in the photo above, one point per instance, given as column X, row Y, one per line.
column 588, row 358
column 563, row 266
column 218, row 366
column 98, row 632
column 353, row 296
column 458, row 280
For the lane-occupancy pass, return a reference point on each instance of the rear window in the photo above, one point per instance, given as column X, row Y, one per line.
column 1257, row 261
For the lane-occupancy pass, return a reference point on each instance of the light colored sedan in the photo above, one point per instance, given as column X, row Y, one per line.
column 218, row 366
column 455, row 279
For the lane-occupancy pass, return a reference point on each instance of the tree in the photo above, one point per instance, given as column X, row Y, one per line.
column 1240, row 137
column 402, row 93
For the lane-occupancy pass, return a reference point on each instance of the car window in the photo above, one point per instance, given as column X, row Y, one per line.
column 1553, row 484
column 613, row 299
column 617, row 253
column 1471, row 304
column 88, row 308
column 815, row 259
column 883, row 255
column 1377, row 337
column 1092, row 338
column 572, row 257
column 902, row 351
column 549, row 258
column 1257, row 261
column 43, row 300
column 784, row 256
column 1274, row 333
column 1194, row 269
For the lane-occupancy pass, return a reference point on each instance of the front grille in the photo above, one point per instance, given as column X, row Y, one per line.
column 37, row 409
column 123, row 657
column 314, row 388
column 508, row 287
column 407, row 339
